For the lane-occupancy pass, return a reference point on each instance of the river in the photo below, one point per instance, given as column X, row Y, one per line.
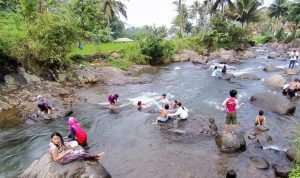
column 136, row 148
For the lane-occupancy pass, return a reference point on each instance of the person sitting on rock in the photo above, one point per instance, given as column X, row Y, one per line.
column 113, row 101
column 76, row 132
column 163, row 116
column 216, row 72
column 231, row 108
column 224, row 69
column 181, row 112
column 59, row 152
column 293, row 86
column 260, row 119
column 43, row 105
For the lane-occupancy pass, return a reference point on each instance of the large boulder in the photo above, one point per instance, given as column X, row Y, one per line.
column 273, row 55
column 276, row 81
column 226, row 76
column 291, row 154
column 228, row 59
column 270, row 68
column 186, row 55
column 88, row 75
column 273, row 102
column 229, row 143
column 46, row 167
column 180, row 58
column 20, row 78
column 259, row 163
column 296, row 43
column 290, row 72
column 248, row 76
column 199, row 60
column 248, row 54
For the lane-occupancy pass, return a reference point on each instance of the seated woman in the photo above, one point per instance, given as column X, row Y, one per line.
column 60, row 153
column 216, row 72
column 76, row 132
column 181, row 112
column 43, row 105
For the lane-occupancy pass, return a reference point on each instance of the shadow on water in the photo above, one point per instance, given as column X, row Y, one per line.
column 135, row 147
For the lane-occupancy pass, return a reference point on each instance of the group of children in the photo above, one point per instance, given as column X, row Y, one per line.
column 217, row 73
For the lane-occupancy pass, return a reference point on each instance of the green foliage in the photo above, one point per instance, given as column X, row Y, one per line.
column 134, row 54
column 29, row 9
column 119, row 63
column 262, row 39
column 103, row 36
column 280, row 34
column 47, row 43
column 295, row 172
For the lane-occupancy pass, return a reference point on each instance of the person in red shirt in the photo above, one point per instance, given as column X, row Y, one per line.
column 232, row 105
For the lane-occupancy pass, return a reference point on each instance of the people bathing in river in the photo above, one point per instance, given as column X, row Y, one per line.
column 224, row 69
column 76, row 132
column 232, row 105
column 174, row 104
column 293, row 86
column 181, row 112
column 59, row 152
column 164, row 99
column 216, row 72
column 140, row 105
column 43, row 105
column 293, row 58
column 112, row 99
column 260, row 119
column 163, row 116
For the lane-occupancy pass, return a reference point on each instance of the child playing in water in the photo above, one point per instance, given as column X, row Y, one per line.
column 174, row 104
column 113, row 101
column 76, row 132
column 60, row 153
column 43, row 105
column 231, row 107
column 140, row 105
column 163, row 117
column 260, row 119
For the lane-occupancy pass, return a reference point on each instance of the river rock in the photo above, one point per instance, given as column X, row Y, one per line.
column 226, row 76
column 273, row 55
column 198, row 60
column 262, row 128
column 46, row 167
column 270, row 68
column 228, row 59
column 281, row 171
column 229, row 143
column 296, row 43
column 88, row 75
column 263, row 138
column 259, row 163
column 273, row 102
column 291, row 154
column 186, row 55
column 247, row 55
column 180, row 58
column 248, row 76
column 226, row 52
column 290, row 72
column 276, row 81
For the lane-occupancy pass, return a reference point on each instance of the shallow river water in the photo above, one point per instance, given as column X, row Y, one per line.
column 136, row 148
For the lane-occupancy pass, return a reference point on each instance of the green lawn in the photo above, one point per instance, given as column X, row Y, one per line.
column 89, row 48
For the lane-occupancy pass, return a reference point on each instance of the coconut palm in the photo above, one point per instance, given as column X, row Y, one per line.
column 221, row 4
column 278, row 9
column 245, row 11
column 113, row 8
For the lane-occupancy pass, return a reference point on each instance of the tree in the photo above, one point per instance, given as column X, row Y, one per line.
column 221, row 3
column 118, row 28
column 196, row 12
column 113, row 8
column 278, row 9
column 245, row 11
column 181, row 19
column 294, row 16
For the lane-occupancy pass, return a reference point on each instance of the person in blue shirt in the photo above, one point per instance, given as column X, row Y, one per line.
column 216, row 72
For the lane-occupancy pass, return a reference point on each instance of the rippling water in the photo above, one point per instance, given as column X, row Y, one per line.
column 136, row 148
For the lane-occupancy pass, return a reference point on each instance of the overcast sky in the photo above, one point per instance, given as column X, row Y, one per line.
column 154, row 12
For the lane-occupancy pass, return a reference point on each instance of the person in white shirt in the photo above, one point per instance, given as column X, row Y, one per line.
column 216, row 72
column 181, row 112
column 294, row 56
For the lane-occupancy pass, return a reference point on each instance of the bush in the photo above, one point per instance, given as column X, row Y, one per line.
column 288, row 39
column 280, row 34
column 47, row 44
column 134, row 54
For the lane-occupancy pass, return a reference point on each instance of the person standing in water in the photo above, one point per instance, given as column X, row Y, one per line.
column 293, row 58
column 232, row 105
column 76, row 132
column 216, row 72
column 112, row 99
column 224, row 69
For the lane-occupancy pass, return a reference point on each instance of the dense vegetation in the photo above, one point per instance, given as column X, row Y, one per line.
column 43, row 36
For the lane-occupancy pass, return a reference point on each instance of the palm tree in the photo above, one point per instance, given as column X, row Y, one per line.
column 179, row 18
column 220, row 3
column 196, row 11
column 245, row 11
column 113, row 8
column 278, row 9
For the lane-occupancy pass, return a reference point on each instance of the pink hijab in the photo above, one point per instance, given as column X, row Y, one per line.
column 73, row 123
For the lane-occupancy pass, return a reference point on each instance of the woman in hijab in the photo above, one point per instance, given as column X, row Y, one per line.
column 76, row 132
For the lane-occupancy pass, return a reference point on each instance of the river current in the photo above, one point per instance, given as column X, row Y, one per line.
column 136, row 148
